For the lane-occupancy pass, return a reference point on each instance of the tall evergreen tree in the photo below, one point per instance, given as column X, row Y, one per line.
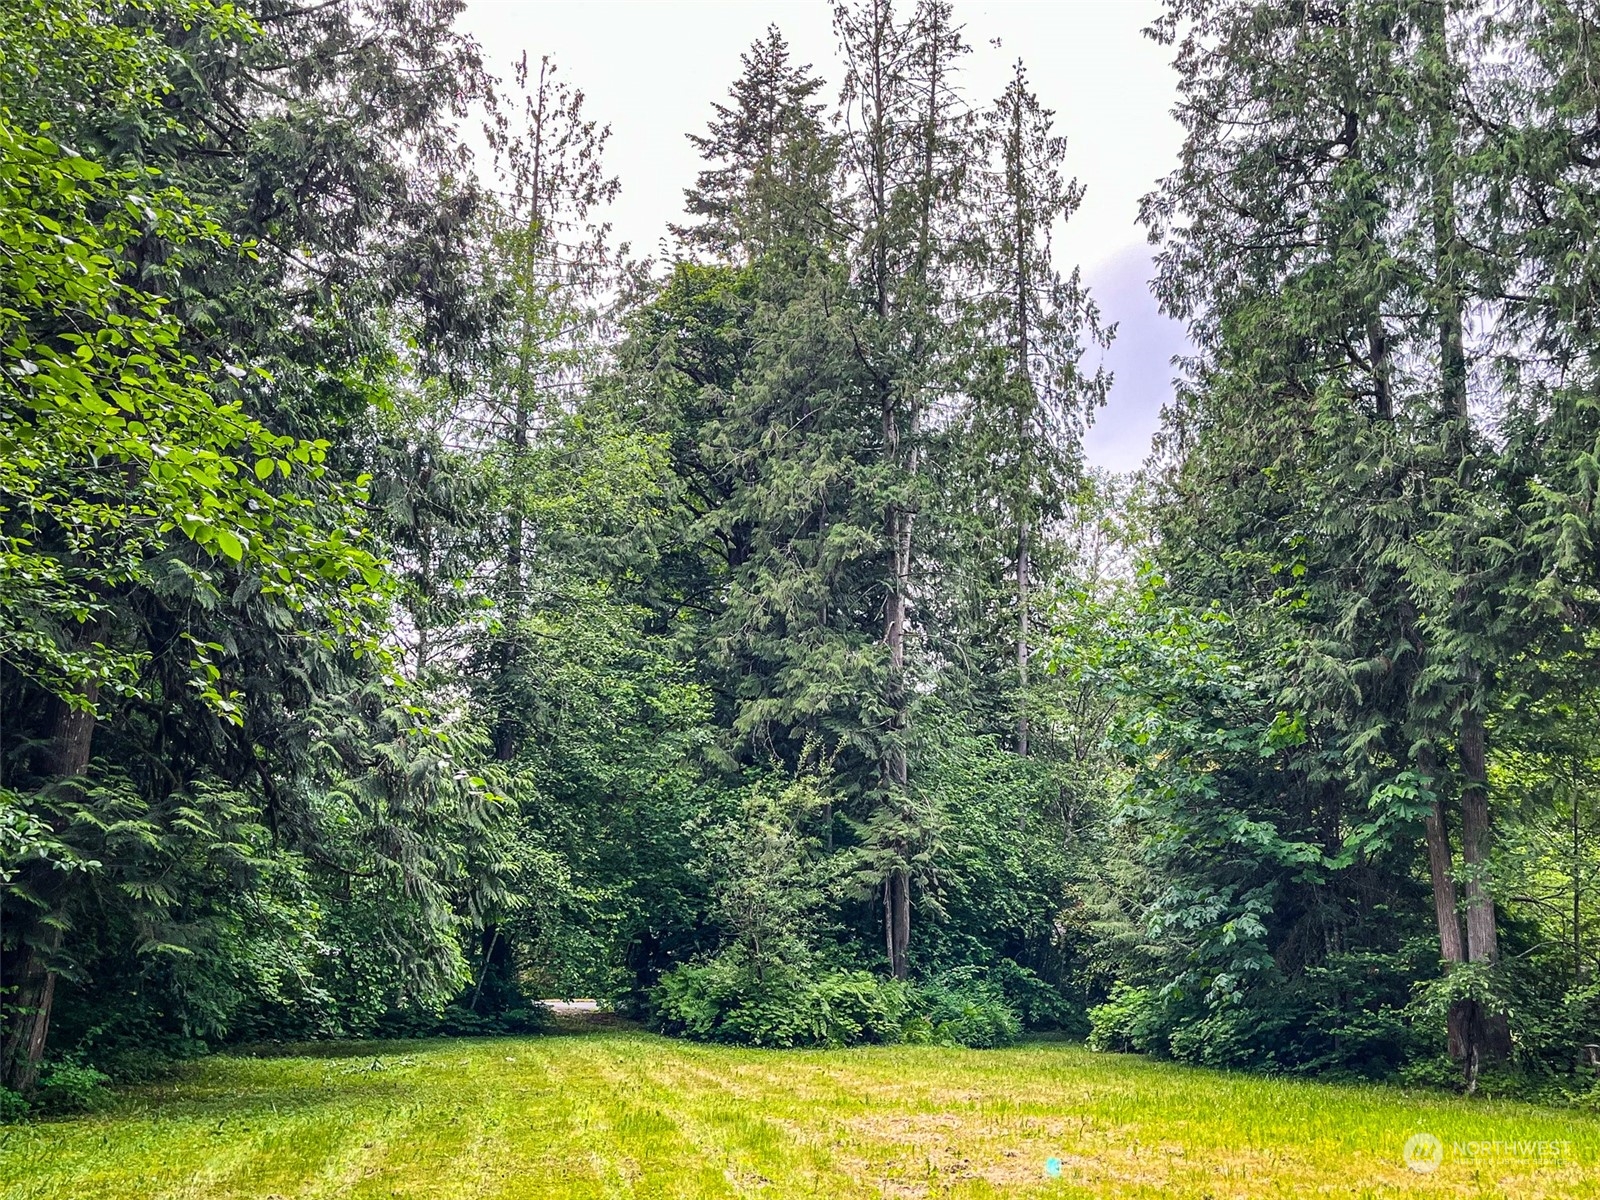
column 1340, row 213
column 549, row 265
column 1011, row 451
column 906, row 157
column 768, row 178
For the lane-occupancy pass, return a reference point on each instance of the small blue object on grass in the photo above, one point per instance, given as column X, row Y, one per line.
column 1052, row 1167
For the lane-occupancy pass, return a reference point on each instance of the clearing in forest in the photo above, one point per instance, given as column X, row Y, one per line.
column 616, row 1112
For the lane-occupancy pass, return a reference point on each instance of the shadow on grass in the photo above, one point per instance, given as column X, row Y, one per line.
column 225, row 1108
column 562, row 1024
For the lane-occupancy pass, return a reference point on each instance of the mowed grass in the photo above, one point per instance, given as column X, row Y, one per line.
column 622, row 1113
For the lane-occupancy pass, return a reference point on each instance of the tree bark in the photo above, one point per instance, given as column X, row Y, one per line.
column 27, row 1024
column 1451, row 944
column 73, row 735
column 1023, row 567
column 29, row 1033
column 1493, row 1027
column 1452, row 947
column 1482, row 942
column 1462, row 1018
column 897, row 921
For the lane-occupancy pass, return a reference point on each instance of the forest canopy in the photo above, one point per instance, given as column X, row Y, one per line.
column 412, row 606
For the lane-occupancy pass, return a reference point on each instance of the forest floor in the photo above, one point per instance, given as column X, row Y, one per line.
column 611, row 1111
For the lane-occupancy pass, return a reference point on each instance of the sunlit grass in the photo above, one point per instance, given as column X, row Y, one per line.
column 621, row 1113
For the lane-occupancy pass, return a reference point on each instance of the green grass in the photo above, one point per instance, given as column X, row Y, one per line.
column 617, row 1112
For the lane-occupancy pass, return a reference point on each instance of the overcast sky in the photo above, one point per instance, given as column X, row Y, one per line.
column 651, row 69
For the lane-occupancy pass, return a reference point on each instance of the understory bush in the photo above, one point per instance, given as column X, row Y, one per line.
column 725, row 1000
column 1349, row 1016
column 12, row 1106
column 70, row 1086
column 963, row 1007
column 1040, row 1004
column 1130, row 1021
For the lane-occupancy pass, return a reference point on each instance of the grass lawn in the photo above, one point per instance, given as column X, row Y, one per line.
column 618, row 1112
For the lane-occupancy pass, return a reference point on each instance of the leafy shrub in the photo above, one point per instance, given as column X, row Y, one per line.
column 1236, row 1034
column 1435, row 1073
column 727, row 1001
column 845, row 1009
column 69, row 1086
column 1554, row 1025
column 693, row 1000
column 1131, row 1020
column 1039, row 1004
column 1348, row 1016
column 12, row 1106
column 964, row 1007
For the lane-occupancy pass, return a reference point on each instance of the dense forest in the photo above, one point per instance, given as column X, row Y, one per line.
column 413, row 605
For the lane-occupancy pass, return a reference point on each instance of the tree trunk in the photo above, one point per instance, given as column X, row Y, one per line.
column 1378, row 355
column 897, row 921
column 495, row 979
column 1492, row 1029
column 897, row 888
column 1577, row 894
column 1023, row 631
column 73, row 735
column 1446, row 905
column 1441, row 870
column 1482, row 943
column 28, row 1022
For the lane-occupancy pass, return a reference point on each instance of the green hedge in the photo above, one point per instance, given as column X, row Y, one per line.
column 728, row 1001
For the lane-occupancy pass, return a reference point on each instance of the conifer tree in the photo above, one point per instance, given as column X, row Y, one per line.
column 906, row 156
column 1013, row 446
column 550, row 263
column 1339, row 212
column 787, row 441
column 768, row 178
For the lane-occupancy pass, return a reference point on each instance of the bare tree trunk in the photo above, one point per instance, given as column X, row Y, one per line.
column 1023, row 567
column 1441, row 870
column 897, row 921
column 1482, row 942
column 28, row 1022
column 1446, row 905
column 1482, row 939
column 73, row 735
column 1451, row 945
